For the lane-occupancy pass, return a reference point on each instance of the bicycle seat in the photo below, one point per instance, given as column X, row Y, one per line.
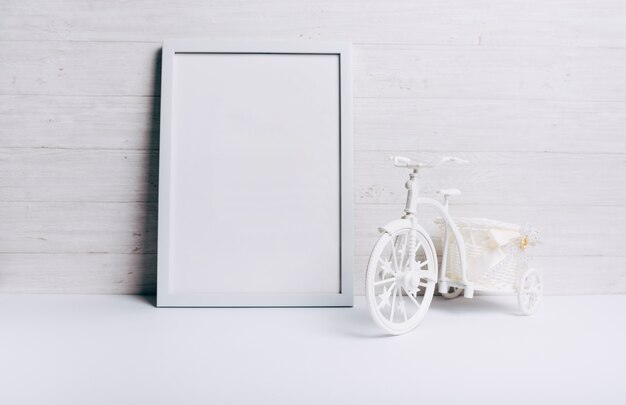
column 446, row 192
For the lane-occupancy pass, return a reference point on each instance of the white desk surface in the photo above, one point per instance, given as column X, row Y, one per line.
column 109, row 349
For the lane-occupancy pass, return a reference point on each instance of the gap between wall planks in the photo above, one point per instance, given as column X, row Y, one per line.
column 531, row 92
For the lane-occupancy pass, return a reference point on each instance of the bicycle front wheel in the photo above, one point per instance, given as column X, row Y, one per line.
column 397, row 293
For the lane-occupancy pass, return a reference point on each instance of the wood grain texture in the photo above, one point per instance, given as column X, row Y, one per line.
column 84, row 273
column 500, row 72
column 535, row 179
column 98, row 273
column 518, row 22
column 105, row 227
column 532, row 92
column 562, row 275
column 78, row 175
column 120, row 122
column 79, row 68
column 71, row 227
column 564, row 230
column 405, row 71
column 28, row 174
column 80, row 122
column 489, row 125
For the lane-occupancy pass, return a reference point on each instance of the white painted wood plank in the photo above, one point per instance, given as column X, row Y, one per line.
column 78, row 175
column 569, row 249
column 406, row 71
column 553, row 23
column 136, row 273
column 565, row 230
column 74, row 227
column 520, row 22
column 490, row 72
column 489, row 125
column 78, row 273
column 95, row 122
column 493, row 178
column 79, row 122
column 490, row 80
column 583, row 275
column 500, row 178
column 71, row 227
column 563, row 275
column 80, row 68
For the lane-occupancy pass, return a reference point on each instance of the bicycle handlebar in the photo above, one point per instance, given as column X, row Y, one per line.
column 401, row 161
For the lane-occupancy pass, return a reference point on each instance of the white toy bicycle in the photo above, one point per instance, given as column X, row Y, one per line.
column 481, row 255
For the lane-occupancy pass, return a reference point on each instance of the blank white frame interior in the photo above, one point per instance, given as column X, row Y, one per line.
column 255, row 188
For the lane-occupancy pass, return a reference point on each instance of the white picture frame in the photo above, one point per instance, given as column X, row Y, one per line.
column 255, row 175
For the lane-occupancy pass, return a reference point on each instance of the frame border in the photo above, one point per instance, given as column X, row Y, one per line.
column 342, row 299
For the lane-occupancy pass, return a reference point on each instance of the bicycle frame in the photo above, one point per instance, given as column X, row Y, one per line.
column 411, row 212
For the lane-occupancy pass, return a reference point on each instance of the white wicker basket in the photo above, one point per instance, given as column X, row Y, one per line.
column 495, row 252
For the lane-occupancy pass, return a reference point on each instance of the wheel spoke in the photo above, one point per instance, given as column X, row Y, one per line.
column 413, row 299
column 393, row 253
column 428, row 275
column 422, row 264
column 384, row 297
column 402, row 306
column 385, row 267
column 403, row 252
column 417, row 248
column 383, row 282
column 393, row 304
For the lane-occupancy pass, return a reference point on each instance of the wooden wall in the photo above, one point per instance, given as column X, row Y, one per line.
column 533, row 92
